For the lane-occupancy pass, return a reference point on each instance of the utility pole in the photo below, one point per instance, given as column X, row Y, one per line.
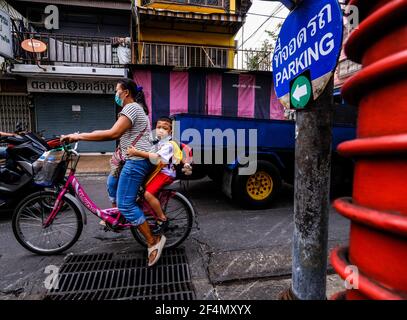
column 311, row 197
column 306, row 85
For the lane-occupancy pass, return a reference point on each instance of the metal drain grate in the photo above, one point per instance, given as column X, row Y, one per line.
column 110, row 276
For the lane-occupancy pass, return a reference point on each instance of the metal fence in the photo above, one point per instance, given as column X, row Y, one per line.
column 187, row 56
column 65, row 49
column 182, row 55
column 98, row 51
column 253, row 60
column 207, row 3
column 13, row 109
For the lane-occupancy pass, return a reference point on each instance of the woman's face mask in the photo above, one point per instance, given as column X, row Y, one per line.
column 118, row 100
column 121, row 95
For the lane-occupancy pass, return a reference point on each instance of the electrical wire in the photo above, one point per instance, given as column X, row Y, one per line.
column 264, row 15
column 261, row 34
column 277, row 10
column 268, row 21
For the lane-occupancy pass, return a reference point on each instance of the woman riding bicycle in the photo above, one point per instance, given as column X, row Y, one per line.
column 133, row 122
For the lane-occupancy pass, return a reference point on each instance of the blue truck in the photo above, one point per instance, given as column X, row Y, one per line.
column 266, row 145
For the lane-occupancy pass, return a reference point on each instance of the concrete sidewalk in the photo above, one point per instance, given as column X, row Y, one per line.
column 94, row 164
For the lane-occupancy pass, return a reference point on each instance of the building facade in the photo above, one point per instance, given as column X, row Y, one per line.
column 70, row 86
column 182, row 52
column 185, row 57
column 346, row 68
column 15, row 104
column 187, row 33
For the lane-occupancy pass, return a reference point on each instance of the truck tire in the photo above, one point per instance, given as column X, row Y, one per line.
column 259, row 190
column 215, row 174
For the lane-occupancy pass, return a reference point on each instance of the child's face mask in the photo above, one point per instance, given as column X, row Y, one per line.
column 162, row 130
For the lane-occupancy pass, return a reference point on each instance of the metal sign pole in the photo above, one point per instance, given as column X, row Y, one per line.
column 311, row 197
column 304, row 60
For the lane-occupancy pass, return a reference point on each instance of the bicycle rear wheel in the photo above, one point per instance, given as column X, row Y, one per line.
column 180, row 213
column 28, row 224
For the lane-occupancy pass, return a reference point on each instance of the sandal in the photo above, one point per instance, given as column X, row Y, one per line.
column 159, row 247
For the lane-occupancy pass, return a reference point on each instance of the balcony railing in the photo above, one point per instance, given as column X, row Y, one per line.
column 192, row 56
column 68, row 50
column 203, row 3
column 253, row 60
column 182, row 55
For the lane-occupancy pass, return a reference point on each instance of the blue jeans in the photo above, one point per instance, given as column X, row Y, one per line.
column 132, row 176
column 3, row 152
column 112, row 184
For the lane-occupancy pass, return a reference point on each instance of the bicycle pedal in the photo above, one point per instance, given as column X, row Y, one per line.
column 106, row 229
column 160, row 228
column 111, row 229
column 157, row 232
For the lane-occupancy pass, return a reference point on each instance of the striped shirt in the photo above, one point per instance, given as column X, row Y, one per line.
column 140, row 122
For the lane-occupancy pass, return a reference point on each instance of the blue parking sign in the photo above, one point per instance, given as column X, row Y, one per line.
column 310, row 40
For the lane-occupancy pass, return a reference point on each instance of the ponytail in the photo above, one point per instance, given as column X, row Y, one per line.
column 140, row 99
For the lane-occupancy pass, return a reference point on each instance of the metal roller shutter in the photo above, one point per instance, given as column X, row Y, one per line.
column 13, row 109
column 55, row 116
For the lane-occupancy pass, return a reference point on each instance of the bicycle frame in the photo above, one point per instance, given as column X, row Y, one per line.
column 104, row 214
column 110, row 215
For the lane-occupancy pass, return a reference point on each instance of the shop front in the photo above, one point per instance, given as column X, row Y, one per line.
column 65, row 106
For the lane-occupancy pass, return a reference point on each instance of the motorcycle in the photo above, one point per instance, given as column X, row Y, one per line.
column 16, row 175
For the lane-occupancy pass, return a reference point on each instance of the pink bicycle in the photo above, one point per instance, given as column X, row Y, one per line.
column 50, row 222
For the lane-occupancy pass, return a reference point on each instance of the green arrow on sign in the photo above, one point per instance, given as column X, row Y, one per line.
column 300, row 93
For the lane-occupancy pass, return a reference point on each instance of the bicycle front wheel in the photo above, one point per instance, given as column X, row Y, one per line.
column 28, row 224
column 180, row 214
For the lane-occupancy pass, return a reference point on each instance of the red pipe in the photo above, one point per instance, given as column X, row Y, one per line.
column 366, row 287
column 385, row 15
column 388, row 222
column 378, row 211
column 371, row 146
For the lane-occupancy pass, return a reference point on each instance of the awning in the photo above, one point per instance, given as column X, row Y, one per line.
column 118, row 5
column 225, row 19
column 30, row 70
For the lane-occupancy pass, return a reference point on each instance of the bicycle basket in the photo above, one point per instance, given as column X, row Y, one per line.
column 49, row 167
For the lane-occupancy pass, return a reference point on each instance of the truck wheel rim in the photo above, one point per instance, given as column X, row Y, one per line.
column 259, row 186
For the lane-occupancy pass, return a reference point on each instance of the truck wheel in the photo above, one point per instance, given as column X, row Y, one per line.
column 216, row 179
column 258, row 190
column 215, row 174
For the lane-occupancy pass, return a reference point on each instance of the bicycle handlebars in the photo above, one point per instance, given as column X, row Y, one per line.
column 67, row 148
column 65, row 145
